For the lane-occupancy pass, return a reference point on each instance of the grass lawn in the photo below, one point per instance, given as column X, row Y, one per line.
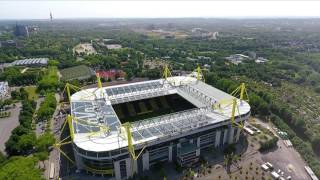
column 32, row 92
column 76, row 72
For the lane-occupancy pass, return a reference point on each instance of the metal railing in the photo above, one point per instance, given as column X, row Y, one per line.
column 172, row 124
column 142, row 94
column 209, row 101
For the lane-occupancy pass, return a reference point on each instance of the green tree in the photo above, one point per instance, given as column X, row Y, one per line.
column 26, row 142
column 42, row 156
column 316, row 144
column 20, row 168
column 45, row 141
column 53, row 63
column 49, row 81
column 47, row 107
column 2, row 158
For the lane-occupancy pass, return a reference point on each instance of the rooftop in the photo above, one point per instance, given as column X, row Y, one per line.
column 32, row 61
column 3, row 85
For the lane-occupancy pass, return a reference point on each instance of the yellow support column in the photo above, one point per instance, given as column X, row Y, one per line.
column 68, row 92
column 242, row 90
column 131, row 149
column 64, row 154
column 198, row 73
column 166, row 72
column 99, row 80
column 234, row 104
column 129, row 138
column 69, row 119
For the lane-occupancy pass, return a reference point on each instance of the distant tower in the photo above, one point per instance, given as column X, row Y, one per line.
column 51, row 16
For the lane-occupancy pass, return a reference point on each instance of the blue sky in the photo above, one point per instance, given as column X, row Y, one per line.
column 153, row 8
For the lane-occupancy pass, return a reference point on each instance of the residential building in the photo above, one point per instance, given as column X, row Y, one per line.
column 4, row 89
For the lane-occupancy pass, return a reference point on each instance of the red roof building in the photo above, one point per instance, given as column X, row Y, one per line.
column 111, row 74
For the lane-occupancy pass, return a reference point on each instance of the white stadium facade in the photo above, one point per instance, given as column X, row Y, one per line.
column 171, row 120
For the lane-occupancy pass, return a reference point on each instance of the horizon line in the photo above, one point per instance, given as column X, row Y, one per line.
column 182, row 17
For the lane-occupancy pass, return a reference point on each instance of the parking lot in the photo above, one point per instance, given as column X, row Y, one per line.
column 287, row 159
column 8, row 124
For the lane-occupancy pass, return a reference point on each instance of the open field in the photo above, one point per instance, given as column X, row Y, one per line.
column 77, row 72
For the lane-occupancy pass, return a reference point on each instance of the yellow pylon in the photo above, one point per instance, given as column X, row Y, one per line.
column 233, row 111
column 166, row 72
column 200, row 75
column 68, row 92
column 126, row 127
column 99, row 80
column 241, row 93
column 69, row 119
column 242, row 89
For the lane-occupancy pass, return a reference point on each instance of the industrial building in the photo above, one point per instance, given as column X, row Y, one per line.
column 121, row 130
column 237, row 58
column 8, row 43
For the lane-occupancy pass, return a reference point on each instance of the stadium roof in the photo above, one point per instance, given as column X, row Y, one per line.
column 33, row 61
column 97, row 127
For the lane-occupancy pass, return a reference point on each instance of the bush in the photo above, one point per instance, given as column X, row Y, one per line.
column 2, row 158
column 20, row 168
column 269, row 144
column 45, row 141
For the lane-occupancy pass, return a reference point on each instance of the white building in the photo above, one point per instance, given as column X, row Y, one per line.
column 4, row 89
column 237, row 58
column 31, row 62
column 261, row 60
column 114, row 46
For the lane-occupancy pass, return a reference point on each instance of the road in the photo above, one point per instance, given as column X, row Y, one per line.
column 39, row 125
column 8, row 124
column 54, row 156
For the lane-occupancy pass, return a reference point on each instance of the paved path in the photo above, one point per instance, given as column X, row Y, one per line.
column 54, row 156
column 39, row 125
column 8, row 124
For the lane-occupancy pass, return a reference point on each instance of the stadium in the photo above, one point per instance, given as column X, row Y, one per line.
column 122, row 130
